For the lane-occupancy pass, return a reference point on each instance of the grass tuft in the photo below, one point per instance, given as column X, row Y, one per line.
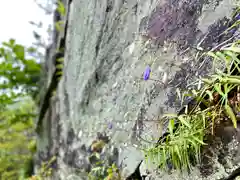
column 187, row 132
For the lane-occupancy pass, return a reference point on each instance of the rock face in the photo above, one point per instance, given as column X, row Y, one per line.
column 102, row 103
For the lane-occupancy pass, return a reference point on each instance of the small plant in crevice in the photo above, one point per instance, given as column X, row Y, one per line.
column 103, row 164
column 102, row 167
column 105, row 173
column 62, row 12
column 174, row 150
column 45, row 170
column 180, row 147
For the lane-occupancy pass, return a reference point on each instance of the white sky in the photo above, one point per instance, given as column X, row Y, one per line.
column 14, row 19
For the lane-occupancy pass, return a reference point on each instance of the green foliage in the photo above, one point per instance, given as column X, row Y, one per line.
column 61, row 8
column 16, row 130
column 220, row 95
column 105, row 172
column 45, row 170
column 17, row 69
column 20, row 75
column 181, row 145
column 228, row 56
column 59, row 26
column 62, row 11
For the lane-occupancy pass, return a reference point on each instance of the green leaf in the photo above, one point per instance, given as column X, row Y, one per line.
column 12, row 42
column 31, row 50
column 8, row 44
column 207, row 81
column 2, row 52
column 60, row 60
column 19, row 51
column 170, row 115
column 59, row 73
column 234, row 49
column 231, row 80
column 192, row 141
column 198, row 140
column 61, row 8
column 176, row 148
column 8, row 56
column 171, row 126
column 221, row 56
column 59, row 66
column 232, row 116
column 59, row 26
column 217, row 87
column 183, row 121
column 210, row 53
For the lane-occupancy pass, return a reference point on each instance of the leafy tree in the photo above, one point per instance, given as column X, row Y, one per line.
column 18, row 70
column 19, row 86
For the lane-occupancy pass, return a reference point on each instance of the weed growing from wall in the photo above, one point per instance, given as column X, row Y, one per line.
column 105, row 173
column 181, row 146
column 45, row 171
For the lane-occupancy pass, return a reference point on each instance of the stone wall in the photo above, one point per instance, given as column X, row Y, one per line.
column 102, row 96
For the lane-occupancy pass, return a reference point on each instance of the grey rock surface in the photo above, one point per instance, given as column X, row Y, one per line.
column 102, row 93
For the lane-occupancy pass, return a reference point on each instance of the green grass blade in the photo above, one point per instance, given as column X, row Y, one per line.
column 183, row 121
column 232, row 116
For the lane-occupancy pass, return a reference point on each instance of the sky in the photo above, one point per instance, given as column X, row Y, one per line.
column 15, row 16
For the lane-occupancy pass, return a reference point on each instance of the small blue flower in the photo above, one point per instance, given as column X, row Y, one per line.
column 237, row 16
column 147, row 73
column 233, row 30
column 110, row 126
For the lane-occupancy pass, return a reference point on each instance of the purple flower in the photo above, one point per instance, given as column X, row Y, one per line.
column 233, row 30
column 110, row 125
column 237, row 16
column 147, row 73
